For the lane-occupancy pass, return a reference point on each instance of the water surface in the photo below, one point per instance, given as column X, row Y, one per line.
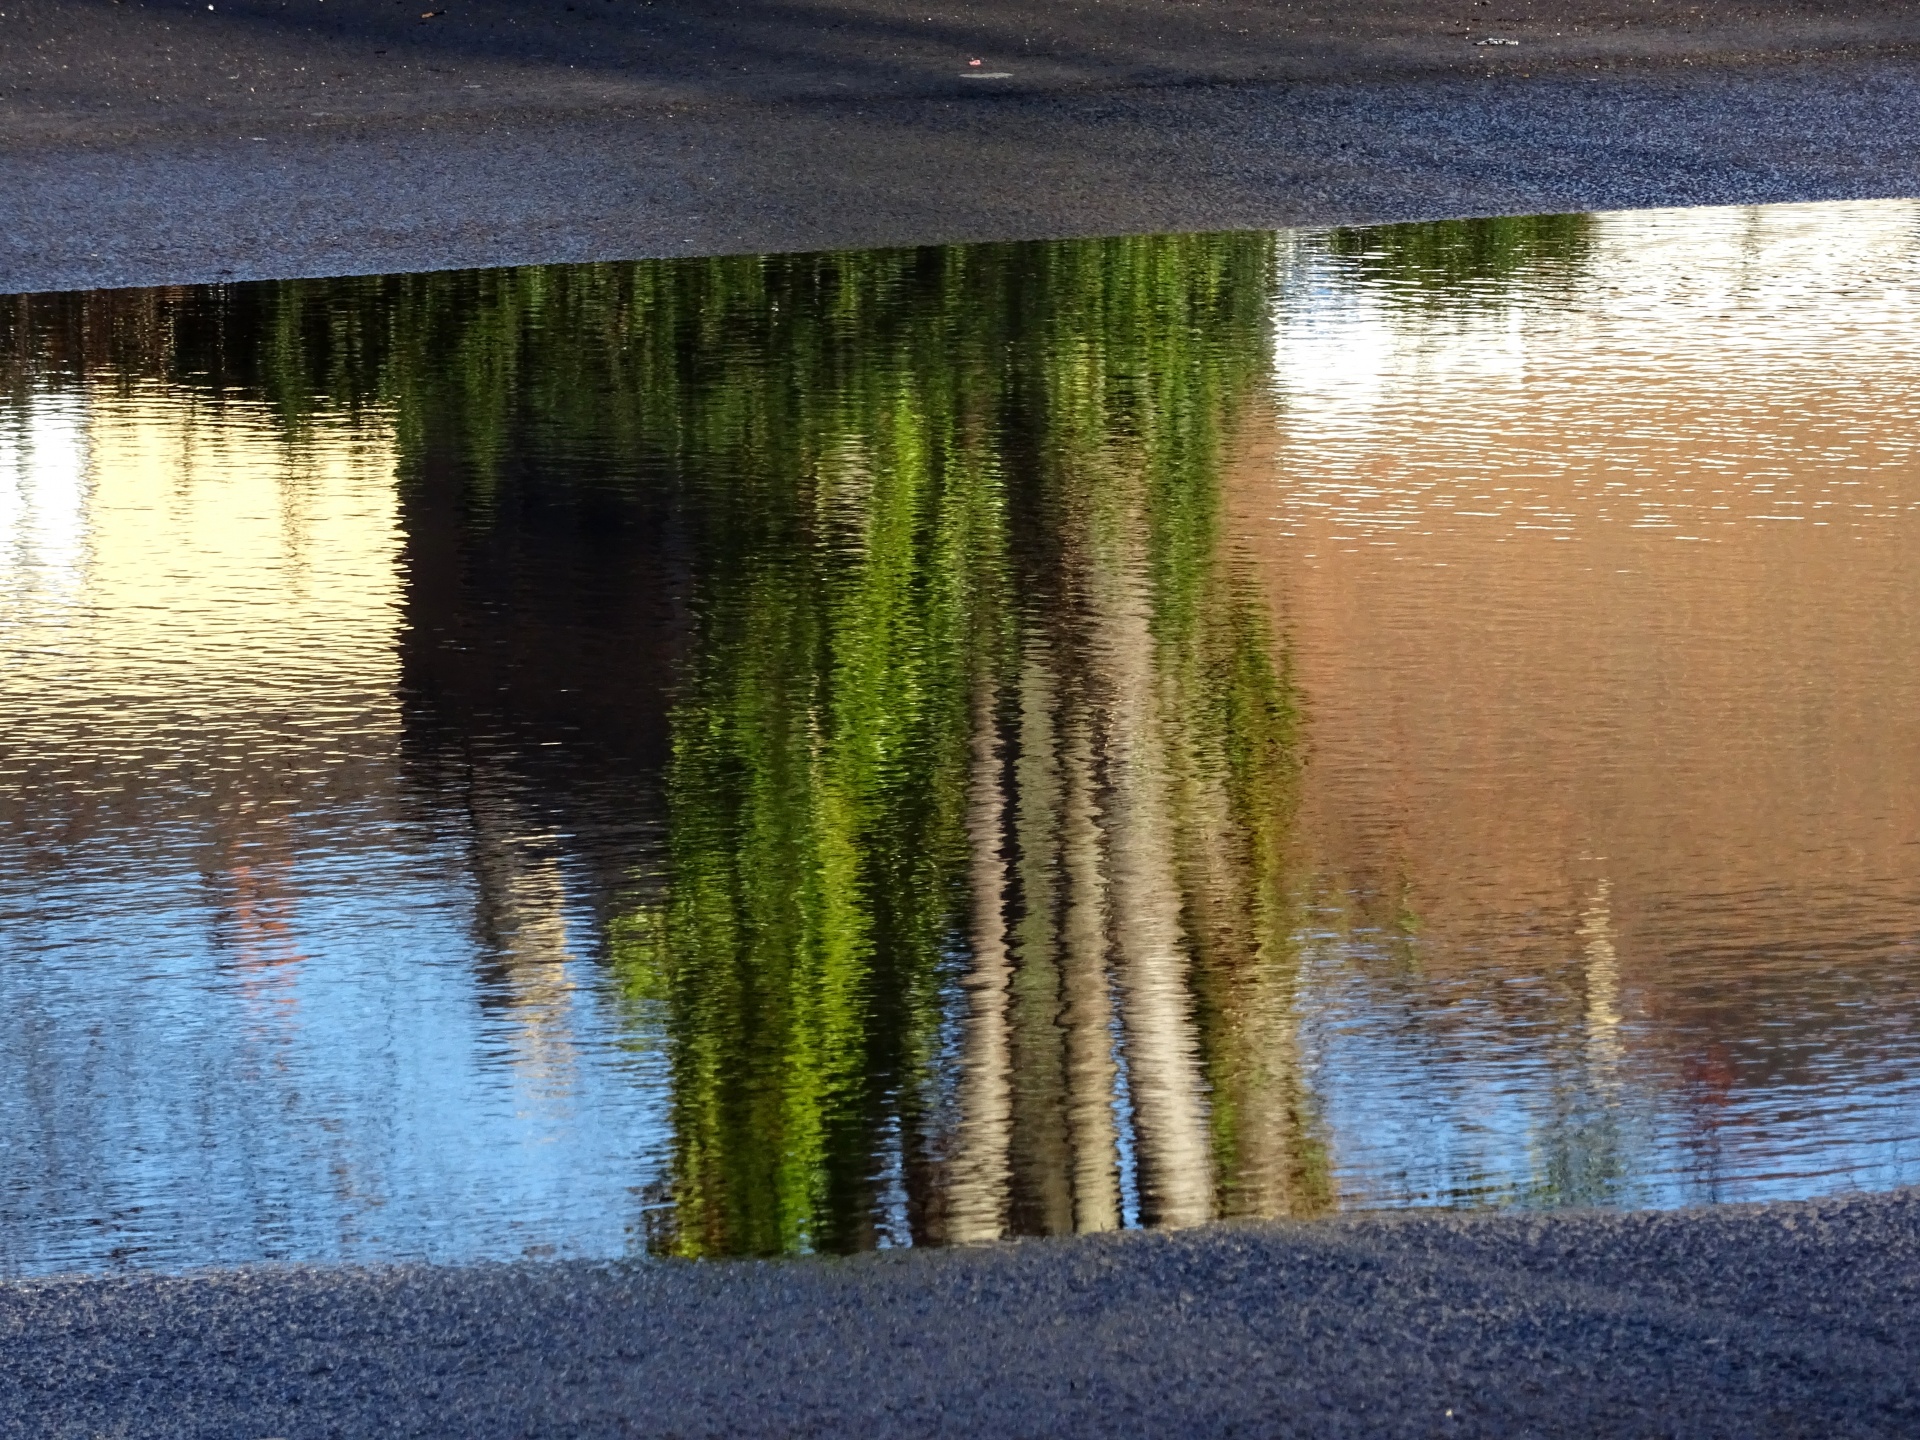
column 757, row 755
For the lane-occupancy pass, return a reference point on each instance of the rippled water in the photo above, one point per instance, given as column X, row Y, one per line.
column 819, row 752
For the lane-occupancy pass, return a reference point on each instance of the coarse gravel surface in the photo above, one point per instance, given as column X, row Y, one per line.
column 1797, row 1319
column 158, row 141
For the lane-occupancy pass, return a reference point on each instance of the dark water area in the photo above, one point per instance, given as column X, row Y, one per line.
column 745, row 756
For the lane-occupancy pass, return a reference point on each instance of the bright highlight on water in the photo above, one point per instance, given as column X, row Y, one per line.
column 754, row 755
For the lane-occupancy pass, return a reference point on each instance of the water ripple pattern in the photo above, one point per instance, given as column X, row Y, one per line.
column 1599, row 575
column 813, row 753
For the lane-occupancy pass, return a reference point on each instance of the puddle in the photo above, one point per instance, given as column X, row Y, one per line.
column 757, row 755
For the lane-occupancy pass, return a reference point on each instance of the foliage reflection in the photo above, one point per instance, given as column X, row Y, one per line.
column 965, row 913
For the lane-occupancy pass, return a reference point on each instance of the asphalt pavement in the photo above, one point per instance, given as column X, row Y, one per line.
column 1788, row 1320
column 158, row 142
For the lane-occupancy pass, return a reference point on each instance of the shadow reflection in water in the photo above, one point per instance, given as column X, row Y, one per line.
column 743, row 756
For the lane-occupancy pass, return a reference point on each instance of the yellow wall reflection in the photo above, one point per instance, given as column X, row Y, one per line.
column 224, row 643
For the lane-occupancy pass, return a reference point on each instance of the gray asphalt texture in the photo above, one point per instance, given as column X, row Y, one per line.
column 1011, row 166
column 160, row 141
column 1787, row 1320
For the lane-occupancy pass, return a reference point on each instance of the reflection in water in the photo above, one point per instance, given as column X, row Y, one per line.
column 1600, row 592
column 821, row 752
column 922, row 668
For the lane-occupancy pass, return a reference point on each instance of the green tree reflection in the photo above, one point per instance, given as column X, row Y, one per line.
column 1464, row 262
column 983, row 758
column 971, row 914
